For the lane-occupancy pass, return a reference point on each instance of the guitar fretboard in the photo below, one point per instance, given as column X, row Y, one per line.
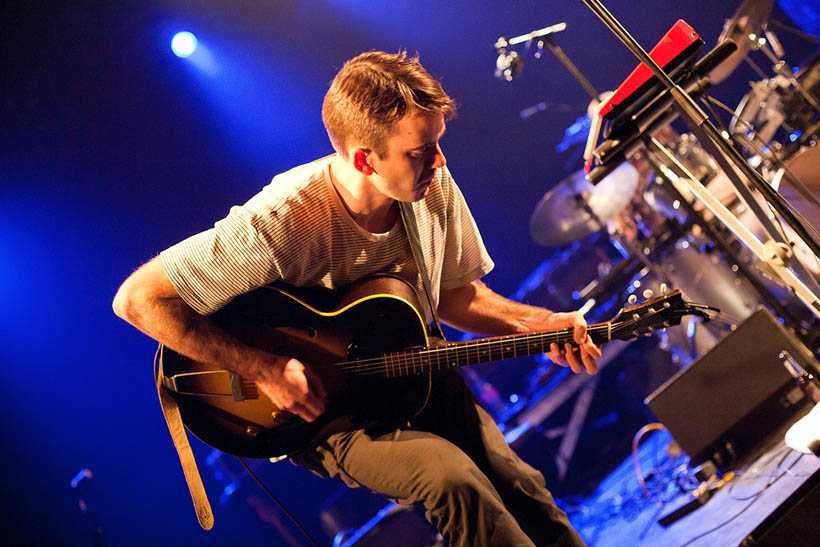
column 457, row 354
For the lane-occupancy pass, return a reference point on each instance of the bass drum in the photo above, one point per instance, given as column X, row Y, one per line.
column 705, row 276
column 573, row 274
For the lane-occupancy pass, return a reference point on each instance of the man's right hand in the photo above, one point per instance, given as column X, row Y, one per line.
column 149, row 301
column 294, row 387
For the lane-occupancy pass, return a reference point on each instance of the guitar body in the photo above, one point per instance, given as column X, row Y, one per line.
column 320, row 328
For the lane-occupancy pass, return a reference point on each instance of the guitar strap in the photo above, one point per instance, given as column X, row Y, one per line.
column 408, row 217
column 170, row 410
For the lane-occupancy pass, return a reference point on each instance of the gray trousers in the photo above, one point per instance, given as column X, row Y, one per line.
column 454, row 461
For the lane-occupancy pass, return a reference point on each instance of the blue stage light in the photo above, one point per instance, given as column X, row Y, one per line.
column 183, row 44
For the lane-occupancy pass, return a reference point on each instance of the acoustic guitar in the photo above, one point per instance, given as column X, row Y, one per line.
column 367, row 342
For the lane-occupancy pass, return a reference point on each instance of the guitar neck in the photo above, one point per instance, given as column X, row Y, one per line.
column 473, row 352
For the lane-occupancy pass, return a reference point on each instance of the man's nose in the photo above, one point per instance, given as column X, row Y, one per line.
column 438, row 160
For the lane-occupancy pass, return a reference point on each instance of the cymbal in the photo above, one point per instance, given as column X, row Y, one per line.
column 560, row 216
column 748, row 19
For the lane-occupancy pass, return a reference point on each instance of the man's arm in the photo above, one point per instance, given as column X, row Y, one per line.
column 148, row 301
column 476, row 308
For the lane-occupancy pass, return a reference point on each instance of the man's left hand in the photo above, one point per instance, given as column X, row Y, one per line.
column 577, row 357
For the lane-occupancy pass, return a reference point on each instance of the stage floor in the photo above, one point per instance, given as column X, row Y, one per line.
column 620, row 513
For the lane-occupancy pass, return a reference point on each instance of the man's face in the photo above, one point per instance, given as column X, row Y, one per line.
column 413, row 154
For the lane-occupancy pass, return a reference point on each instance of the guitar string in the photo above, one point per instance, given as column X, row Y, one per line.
column 422, row 360
column 424, row 357
column 404, row 361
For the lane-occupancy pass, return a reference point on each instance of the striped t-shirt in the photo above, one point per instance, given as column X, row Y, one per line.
column 298, row 231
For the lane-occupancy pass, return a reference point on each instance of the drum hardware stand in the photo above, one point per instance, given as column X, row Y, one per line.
column 656, row 160
column 772, row 156
column 81, row 482
column 574, row 426
column 769, row 263
column 526, row 422
column 723, row 152
column 635, row 254
column 774, row 159
column 810, row 134
column 796, row 31
column 774, row 52
column 754, row 66
column 570, row 66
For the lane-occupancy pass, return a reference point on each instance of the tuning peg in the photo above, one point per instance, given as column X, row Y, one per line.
column 632, row 299
column 663, row 288
column 648, row 293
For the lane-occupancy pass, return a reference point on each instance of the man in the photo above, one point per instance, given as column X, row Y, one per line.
column 335, row 221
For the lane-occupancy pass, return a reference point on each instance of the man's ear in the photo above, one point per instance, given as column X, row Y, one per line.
column 361, row 163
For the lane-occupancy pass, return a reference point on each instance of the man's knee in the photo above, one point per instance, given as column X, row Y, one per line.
column 460, row 483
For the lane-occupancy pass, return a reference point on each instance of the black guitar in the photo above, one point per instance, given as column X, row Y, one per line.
column 359, row 342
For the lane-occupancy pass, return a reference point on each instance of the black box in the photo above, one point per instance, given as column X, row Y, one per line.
column 728, row 403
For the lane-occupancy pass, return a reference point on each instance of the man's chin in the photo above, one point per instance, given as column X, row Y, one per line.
column 422, row 190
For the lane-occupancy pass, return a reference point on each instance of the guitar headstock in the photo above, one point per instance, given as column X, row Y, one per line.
column 656, row 313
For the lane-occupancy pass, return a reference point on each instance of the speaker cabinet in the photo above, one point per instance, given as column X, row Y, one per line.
column 725, row 405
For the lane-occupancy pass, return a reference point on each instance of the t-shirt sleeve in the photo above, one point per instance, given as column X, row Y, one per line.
column 465, row 256
column 210, row 268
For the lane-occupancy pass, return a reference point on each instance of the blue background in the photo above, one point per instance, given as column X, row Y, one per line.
column 113, row 149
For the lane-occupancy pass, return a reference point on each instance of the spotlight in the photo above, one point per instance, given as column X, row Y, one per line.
column 183, row 44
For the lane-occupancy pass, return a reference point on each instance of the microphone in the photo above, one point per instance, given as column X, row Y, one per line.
column 509, row 64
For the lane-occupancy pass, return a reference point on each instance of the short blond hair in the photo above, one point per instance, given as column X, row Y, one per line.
column 372, row 92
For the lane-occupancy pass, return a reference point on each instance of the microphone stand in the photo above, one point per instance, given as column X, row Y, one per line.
column 570, row 66
column 773, row 257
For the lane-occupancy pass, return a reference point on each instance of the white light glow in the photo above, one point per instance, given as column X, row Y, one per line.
column 183, row 44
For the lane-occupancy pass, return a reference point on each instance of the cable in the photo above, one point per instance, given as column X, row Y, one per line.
column 277, row 502
column 753, row 498
column 719, row 526
column 635, row 443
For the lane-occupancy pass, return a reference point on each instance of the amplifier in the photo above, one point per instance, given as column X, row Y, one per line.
column 728, row 403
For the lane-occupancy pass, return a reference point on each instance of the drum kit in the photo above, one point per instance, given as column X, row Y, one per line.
column 635, row 230
column 659, row 211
